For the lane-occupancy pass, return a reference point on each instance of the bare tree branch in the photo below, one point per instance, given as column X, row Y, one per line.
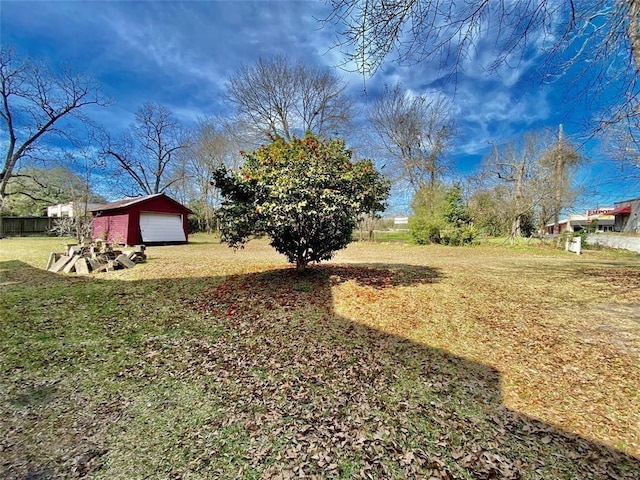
column 147, row 152
column 33, row 101
column 277, row 98
column 596, row 43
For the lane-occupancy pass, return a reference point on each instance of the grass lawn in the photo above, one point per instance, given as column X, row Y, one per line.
column 392, row 361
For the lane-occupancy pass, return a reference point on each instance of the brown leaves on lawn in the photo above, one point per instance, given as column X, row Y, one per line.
column 221, row 365
column 309, row 394
column 624, row 282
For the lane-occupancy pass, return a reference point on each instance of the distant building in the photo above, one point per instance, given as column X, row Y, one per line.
column 69, row 210
column 603, row 219
column 400, row 221
column 626, row 215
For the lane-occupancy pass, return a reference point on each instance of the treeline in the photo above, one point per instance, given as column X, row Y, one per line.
column 520, row 188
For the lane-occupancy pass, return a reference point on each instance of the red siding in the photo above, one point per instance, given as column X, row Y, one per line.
column 133, row 234
column 112, row 227
column 159, row 204
column 123, row 224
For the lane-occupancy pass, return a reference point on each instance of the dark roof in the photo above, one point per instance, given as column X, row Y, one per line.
column 626, row 201
column 127, row 202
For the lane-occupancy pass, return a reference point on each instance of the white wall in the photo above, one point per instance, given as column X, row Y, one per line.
column 615, row 241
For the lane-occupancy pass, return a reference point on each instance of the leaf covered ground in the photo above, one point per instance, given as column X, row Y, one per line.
column 392, row 361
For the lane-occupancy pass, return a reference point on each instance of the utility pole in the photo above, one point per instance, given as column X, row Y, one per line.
column 559, row 158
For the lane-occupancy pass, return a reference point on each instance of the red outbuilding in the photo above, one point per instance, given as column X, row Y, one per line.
column 154, row 219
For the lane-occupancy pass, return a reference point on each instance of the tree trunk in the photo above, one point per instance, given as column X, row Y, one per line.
column 301, row 258
column 516, row 226
column 634, row 31
column 560, row 168
column 2, row 197
column 542, row 220
column 301, row 265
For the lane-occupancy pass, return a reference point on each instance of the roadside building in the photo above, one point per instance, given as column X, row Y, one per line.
column 601, row 219
column 401, row 223
column 626, row 215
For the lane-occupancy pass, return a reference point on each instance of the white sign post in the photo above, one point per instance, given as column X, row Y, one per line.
column 574, row 245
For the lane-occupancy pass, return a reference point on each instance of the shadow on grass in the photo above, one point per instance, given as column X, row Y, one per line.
column 284, row 387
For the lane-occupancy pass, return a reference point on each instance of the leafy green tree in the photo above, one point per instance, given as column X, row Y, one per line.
column 456, row 212
column 459, row 228
column 305, row 194
column 30, row 192
column 427, row 220
column 440, row 215
column 489, row 209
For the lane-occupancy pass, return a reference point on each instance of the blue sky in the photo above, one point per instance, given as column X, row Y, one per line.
column 181, row 53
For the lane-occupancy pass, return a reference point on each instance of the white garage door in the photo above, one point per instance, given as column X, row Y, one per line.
column 161, row 227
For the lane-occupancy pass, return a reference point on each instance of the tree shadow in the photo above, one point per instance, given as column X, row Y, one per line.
column 427, row 409
column 301, row 389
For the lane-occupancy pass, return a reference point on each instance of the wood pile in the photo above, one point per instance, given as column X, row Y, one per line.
column 94, row 257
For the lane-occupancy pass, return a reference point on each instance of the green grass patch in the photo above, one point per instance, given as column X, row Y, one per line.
column 385, row 236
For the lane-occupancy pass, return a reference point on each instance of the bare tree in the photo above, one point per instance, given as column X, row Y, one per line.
column 622, row 144
column 274, row 97
column 596, row 41
column 82, row 191
column 146, row 153
column 79, row 224
column 34, row 101
column 528, row 168
column 213, row 143
column 560, row 163
column 415, row 131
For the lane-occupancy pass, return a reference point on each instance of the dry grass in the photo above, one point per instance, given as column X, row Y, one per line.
column 392, row 361
column 563, row 331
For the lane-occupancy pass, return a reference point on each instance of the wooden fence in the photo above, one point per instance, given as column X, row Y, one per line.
column 25, row 226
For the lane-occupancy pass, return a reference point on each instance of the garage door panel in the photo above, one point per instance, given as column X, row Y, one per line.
column 159, row 227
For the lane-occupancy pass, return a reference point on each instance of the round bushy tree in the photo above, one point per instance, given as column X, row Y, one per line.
column 306, row 195
column 440, row 215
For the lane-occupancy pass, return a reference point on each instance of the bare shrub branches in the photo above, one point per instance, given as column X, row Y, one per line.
column 34, row 99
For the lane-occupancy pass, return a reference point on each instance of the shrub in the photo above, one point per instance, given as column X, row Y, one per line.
column 306, row 195
column 441, row 216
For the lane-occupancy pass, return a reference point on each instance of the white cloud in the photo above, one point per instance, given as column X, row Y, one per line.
column 189, row 50
column 180, row 54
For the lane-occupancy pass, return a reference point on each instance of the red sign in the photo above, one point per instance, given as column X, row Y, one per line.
column 600, row 211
